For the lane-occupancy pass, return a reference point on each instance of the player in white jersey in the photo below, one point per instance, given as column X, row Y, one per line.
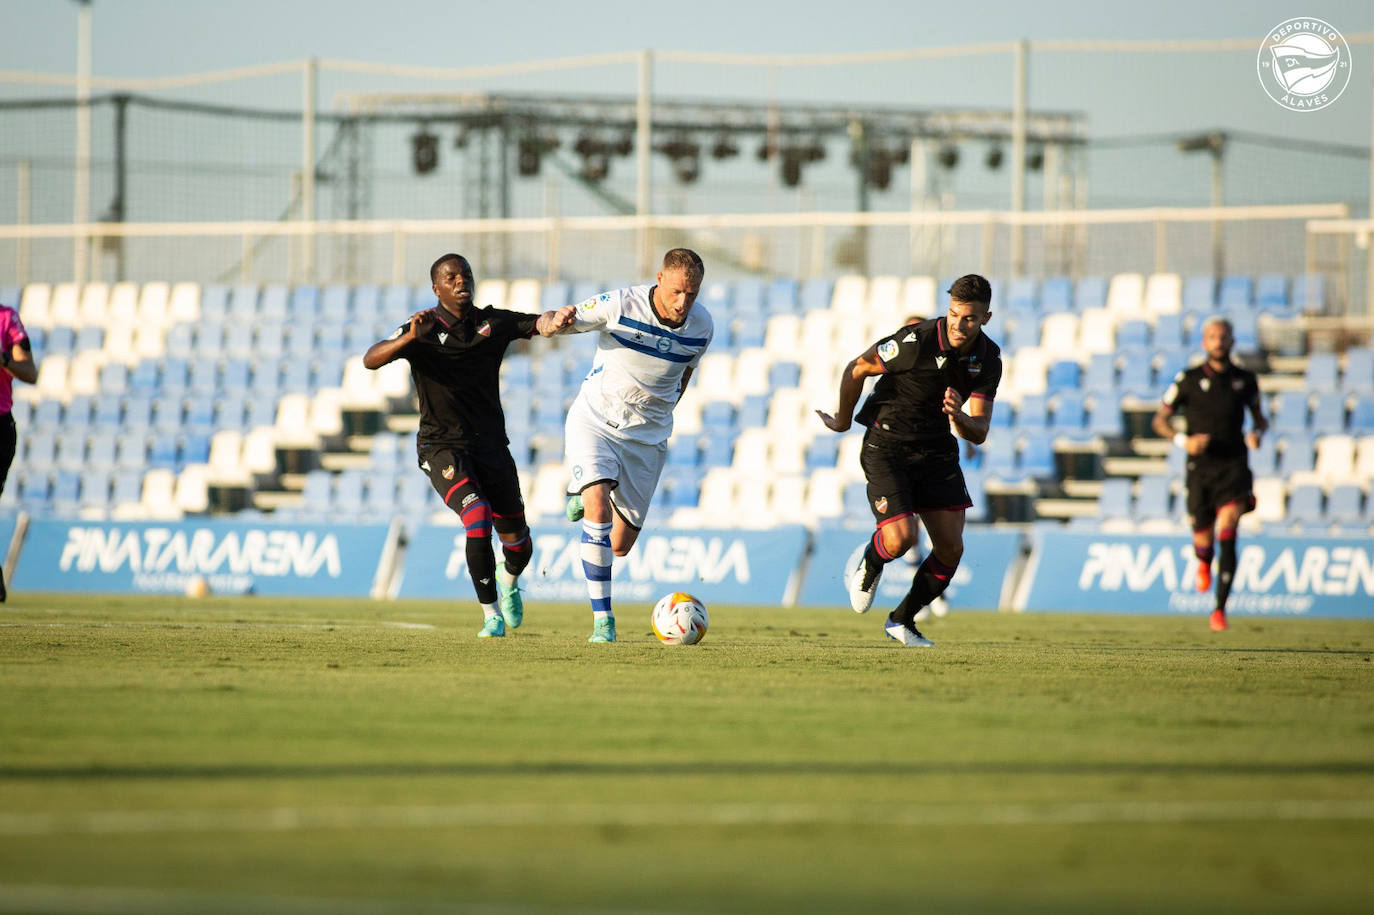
column 651, row 340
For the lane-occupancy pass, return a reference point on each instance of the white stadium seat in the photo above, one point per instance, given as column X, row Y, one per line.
column 34, row 305
column 920, row 298
column 184, row 304
column 65, row 307
column 490, row 292
column 523, row 295
column 850, row 297
column 95, row 304
column 1126, row 295
column 123, row 305
column 1164, row 293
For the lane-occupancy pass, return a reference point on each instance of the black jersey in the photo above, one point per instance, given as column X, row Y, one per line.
column 907, row 403
column 456, row 365
column 1215, row 402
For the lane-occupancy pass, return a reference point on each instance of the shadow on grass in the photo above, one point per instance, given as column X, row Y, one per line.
column 702, row 768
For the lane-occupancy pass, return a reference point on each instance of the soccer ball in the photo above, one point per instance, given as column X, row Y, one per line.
column 680, row 619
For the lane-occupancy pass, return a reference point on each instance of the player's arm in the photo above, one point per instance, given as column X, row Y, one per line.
column 852, row 387
column 18, row 361
column 971, row 426
column 1162, row 423
column 555, row 322
column 384, row 351
column 1259, row 424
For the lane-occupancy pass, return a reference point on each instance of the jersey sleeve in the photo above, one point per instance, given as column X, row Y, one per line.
column 598, row 312
column 517, row 324
column 15, row 334
column 710, row 335
column 988, row 379
column 898, row 352
column 1174, row 398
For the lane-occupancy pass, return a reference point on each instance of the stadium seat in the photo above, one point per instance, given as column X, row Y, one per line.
column 1328, row 413
column 1364, row 459
column 1288, row 412
column 1168, row 331
column 1199, row 294
column 1309, row 294
column 1132, row 333
column 1037, row 456
column 1068, row 411
column 1154, row 498
column 1305, row 504
column 1264, row 460
column 1271, row 291
column 1296, row 453
column 1056, row 294
column 1104, row 414
column 1362, row 415
column 1021, row 294
column 1163, row 294
column 1236, row 292
column 1090, row 293
column 1346, row 504
column 1063, row 374
column 1358, row 376
column 1114, row 500
column 1126, row 294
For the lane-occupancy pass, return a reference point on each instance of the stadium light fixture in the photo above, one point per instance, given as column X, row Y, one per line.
column 424, row 150
column 948, row 156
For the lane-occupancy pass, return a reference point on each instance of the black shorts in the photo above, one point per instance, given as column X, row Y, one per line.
column 458, row 475
column 9, row 438
column 1213, row 483
column 903, row 480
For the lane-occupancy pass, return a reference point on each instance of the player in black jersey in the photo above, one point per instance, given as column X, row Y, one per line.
column 455, row 351
column 1212, row 399
column 926, row 372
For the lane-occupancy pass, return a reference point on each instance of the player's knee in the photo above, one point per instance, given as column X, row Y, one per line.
column 897, row 539
column 949, row 554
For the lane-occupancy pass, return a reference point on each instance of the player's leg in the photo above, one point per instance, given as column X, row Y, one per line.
column 9, row 440
column 1239, row 483
column 895, row 530
column 641, row 466
column 946, row 528
column 594, row 470
column 501, row 482
column 454, row 477
column 1202, row 514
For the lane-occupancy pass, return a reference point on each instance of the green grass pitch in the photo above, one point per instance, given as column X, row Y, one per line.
column 251, row 754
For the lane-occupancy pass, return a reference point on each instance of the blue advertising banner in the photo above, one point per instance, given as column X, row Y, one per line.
column 1142, row 573
column 743, row 567
column 990, row 555
column 231, row 557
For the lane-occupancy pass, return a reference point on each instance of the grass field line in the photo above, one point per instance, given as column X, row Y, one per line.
column 294, row 819
column 238, row 624
column 119, row 900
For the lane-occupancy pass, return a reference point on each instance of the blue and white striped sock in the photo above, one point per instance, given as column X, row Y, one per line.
column 596, row 565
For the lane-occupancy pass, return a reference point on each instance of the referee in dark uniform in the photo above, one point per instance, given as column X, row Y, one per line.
column 455, row 351
column 1211, row 399
column 926, row 371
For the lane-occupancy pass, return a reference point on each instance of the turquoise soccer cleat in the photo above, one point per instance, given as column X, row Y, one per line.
column 509, row 601
column 574, row 510
column 493, row 628
column 604, row 630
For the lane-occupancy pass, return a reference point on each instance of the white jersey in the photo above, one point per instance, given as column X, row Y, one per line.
column 637, row 377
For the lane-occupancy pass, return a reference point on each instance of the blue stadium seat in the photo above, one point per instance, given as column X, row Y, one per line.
column 1236, row 292
column 1063, row 374
column 1358, row 376
column 422, row 296
column 1167, row 364
column 109, row 411
column 230, row 410
column 300, row 342
column 717, row 296
column 783, row 297
column 295, row 376
column 1021, row 294
column 195, row 448
column 38, row 338
column 1200, row 294
column 1309, row 294
column 338, row 301
column 329, row 341
column 162, row 450
column 1056, row 294
column 554, row 296
column 822, row 451
column 683, row 451
column 1328, row 414
column 214, row 302
column 95, row 490
column 1297, row 453
column 173, row 377
column 235, row 376
column 266, row 380
column 348, row 493
column 1264, row 460
column 1091, row 293
column 396, row 302
column 305, row 303
column 1100, row 377
column 1362, row 416
column 379, row 493
column 90, row 337
column 1271, row 291
column 243, row 300
column 47, row 415
column 1305, row 504
column 1037, row 456
column 1346, row 505
column 749, row 296
column 65, row 498
column 749, row 329
column 1114, row 500
column 1069, row 410
column 127, row 486
column 784, row 375
column 316, row 494
column 1104, row 414
column 1032, row 414
column 9, row 296
column 240, row 339
column 78, row 411
column 1137, row 375
column 1321, row 373
column 1168, row 331
column 204, row 380
column 131, row 451
column 209, row 340
column 71, row 450
column 1154, row 500
column 1245, row 329
column 816, row 294
column 1023, row 331
column 753, row 411
column 720, row 451
column 262, row 411
column 1133, row 333
column 60, row 341
column 1288, row 412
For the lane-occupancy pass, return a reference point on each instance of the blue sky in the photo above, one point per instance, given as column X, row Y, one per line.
column 1121, row 94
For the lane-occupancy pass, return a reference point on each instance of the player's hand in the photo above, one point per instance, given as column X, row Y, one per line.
column 1252, row 440
column 831, row 423
column 421, row 322
column 555, row 321
column 1197, row 444
column 954, row 402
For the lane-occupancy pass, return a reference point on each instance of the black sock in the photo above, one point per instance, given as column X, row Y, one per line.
column 874, row 559
column 517, row 554
column 1226, row 568
column 482, row 568
column 929, row 583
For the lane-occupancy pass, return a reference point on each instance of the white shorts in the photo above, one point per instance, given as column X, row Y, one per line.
column 595, row 454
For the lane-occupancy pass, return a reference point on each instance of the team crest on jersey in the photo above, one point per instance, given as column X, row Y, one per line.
column 447, row 473
column 577, row 472
column 1205, row 384
column 1237, row 384
column 888, row 350
column 974, row 366
column 484, row 329
column 881, row 504
column 664, row 344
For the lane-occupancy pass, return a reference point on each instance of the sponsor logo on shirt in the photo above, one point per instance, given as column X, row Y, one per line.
column 974, row 366
column 1205, row 384
column 888, row 350
column 443, row 337
column 468, row 500
column 940, row 361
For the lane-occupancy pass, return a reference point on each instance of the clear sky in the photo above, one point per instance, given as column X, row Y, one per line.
column 1121, row 94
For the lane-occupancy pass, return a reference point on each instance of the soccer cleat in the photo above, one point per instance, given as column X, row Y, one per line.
column 574, row 510
column 1218, row 621
column 604, row 630
column 908, row 636
column 1204, row 576
column 862, row 586
column 509, row 601
column 493, row 628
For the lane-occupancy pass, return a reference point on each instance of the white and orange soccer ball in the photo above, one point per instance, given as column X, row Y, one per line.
column 680, row 619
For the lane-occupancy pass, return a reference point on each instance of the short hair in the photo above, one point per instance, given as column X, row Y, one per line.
column 684, row 259
column 971, row 288
column 1224, row 322
column 443, row 259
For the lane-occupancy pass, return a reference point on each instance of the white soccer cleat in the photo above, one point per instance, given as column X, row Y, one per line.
column 908, row 636
column 861, row 591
